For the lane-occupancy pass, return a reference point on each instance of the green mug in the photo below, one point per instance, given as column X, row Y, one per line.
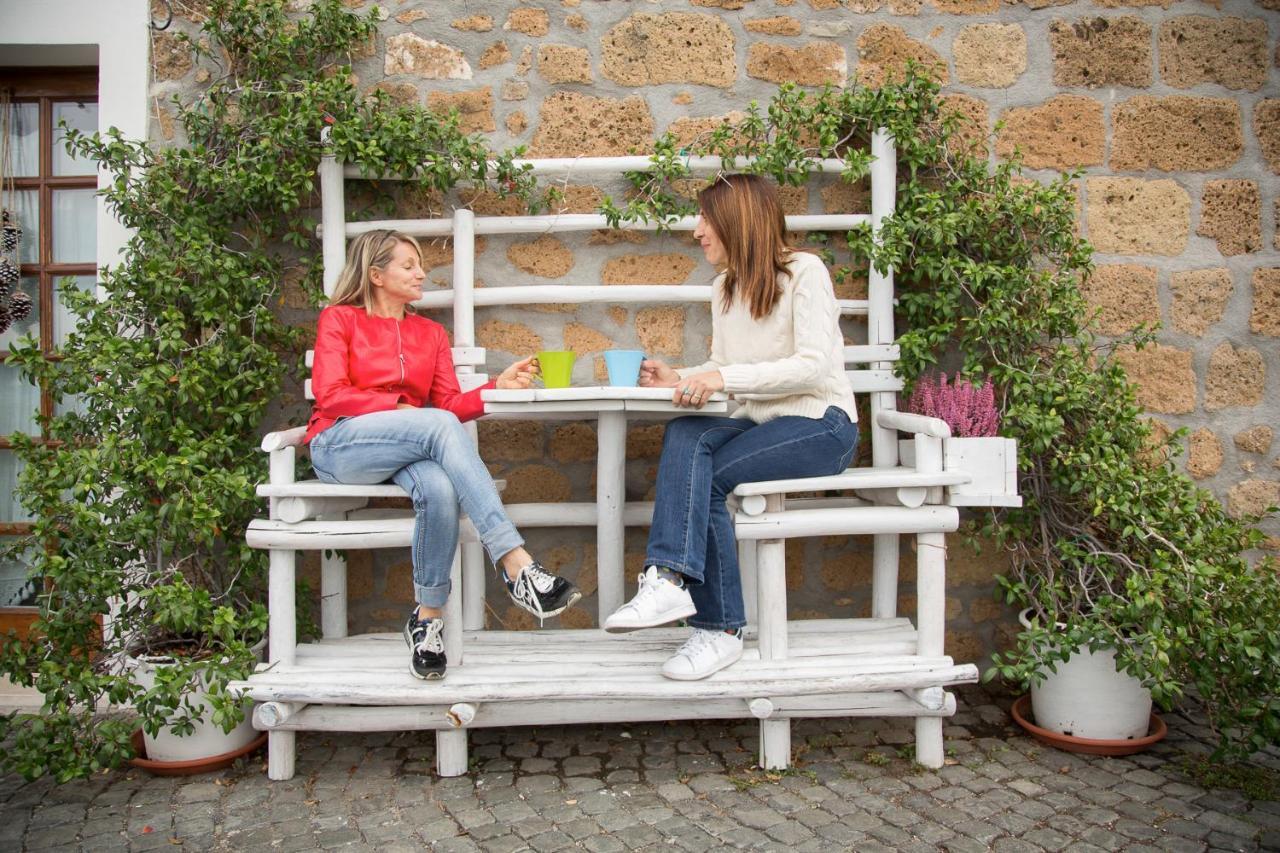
column 556, row 367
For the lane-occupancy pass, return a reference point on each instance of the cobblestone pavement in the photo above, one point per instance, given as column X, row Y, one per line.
column 676, row 786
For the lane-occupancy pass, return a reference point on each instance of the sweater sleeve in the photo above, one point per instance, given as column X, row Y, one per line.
column 718, row 358
column 447, row 394
column 335, row 396
column 813, row 324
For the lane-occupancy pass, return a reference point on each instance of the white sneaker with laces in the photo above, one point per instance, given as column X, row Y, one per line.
column 703, row 653
column 658, row 602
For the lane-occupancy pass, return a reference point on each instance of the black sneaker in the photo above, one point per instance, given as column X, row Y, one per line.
column 423, row 636
column 538, row 591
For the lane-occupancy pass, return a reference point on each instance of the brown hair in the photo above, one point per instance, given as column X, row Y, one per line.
column 368, row 250
column 744, row 212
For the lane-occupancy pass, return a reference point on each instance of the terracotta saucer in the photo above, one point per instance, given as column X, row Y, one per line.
column 195, row 765
column 1091, row 746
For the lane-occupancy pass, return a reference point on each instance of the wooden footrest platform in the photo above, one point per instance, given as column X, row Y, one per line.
column 835, row 668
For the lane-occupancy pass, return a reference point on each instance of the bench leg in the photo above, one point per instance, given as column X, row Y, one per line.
column 333, row 596
column 775, row 744
column 884, row 576
column 929, row 741
column 451, row 752
column 282, row 750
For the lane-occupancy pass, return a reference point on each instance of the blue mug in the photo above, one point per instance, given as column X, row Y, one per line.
column 623, row 366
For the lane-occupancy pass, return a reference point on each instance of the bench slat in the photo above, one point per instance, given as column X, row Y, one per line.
column 857, row 478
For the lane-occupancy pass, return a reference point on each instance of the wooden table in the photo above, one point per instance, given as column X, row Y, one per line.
column 610, row 407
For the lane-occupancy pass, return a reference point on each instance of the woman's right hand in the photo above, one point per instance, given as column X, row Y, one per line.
column 655, row 373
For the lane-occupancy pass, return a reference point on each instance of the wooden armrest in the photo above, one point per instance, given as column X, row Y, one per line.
column 856, row 478
column 920, row 424
column 284, row 438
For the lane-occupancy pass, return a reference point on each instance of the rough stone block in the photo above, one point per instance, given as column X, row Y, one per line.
column 404, row 94
column 663, row 268
column 676, row 47
column 1163, row 377
column 473, row 23
column 661, row 330
column 728, row 5
column 545, row 257
column 1266, row 126
column 694, row 130
column 1199, row 299
column 1177, row 133
column 847, row 571
column 1204, row 457
column 780, row 25
column 966, row 7
column 815, row 64
column 572, row 125
column 411, row 16
column 475, row 108
column 1125, row 295
column 513, row 338
column 990, row 55
column 970, row 134
column 1236, row 377
column 575, row 442
column 1099, row 51
column 1132, row 216
column 1062, row 133
column 1255, row 439
column 408, row 53
column 535, row 484
column 1253, row 497
column 1231, row 52
column 883, row 52
column 170, row 56
column 584, row 339
column 576, row 22
column 528, row 20
column 645, row 442
column 1230, row 213
column 516, row 123
column 510, row 441
column 1264, row 318
column 495, row 54
column 847, row 198
column 561, row 63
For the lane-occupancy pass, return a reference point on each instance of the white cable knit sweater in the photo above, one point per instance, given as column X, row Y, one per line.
column 789, row 363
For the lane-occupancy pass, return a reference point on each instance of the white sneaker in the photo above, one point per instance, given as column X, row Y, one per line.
column 658, row 602
column 702, row 654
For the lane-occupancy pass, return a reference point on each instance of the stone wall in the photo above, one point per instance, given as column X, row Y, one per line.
column 1170, row 109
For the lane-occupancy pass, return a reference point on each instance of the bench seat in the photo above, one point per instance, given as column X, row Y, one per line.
column 837, row 667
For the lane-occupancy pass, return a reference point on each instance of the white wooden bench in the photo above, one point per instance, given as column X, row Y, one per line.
column 883, row 665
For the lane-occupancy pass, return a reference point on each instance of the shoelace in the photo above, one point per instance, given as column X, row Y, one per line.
column 525, row 587
column 431, row 641
column 541, row 579
column 647, row 588
column 697, row 641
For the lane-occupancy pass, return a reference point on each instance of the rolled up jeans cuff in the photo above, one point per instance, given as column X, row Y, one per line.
column 432, row 596
column 500, row 540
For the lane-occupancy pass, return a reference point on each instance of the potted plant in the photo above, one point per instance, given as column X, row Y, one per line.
column 142, row 497
column 974, row 446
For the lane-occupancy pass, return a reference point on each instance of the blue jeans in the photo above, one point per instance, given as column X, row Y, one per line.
column 703, row 460
column 428, row 454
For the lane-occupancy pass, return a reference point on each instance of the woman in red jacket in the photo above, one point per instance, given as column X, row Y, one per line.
column 388, row 407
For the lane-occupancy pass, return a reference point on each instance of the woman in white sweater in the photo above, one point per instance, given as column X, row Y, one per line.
column 776, row 347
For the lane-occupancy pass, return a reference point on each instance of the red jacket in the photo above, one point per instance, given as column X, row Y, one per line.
column 369, row 364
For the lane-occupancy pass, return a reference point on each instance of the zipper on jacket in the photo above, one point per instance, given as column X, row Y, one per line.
column 400, row 349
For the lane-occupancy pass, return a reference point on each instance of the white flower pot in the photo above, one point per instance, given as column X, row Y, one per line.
column 1089, row 698
column 992, row 462
column 208, row 739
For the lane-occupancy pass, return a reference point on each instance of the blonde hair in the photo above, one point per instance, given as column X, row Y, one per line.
column 744, row 212
column 368, row 250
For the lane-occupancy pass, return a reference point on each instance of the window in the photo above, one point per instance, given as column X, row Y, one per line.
column 54, row 197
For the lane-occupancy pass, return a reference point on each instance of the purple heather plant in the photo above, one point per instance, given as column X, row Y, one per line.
column 970, row 410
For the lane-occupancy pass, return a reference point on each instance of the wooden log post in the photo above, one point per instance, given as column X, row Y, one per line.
column 611, row 498
column 771, row 589
column 931, row 564
column 283, row 639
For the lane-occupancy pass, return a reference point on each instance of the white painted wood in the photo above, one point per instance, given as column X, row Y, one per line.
column 333, row 241
column 588, row 395
column 868, row 520
column 929, row 746
column 453, row 645
column 761, row 708
column 282, row 752
column 880, row 285
column 575, row 294
column 333, row 595
column 749, row 568
column 464, row 261
column 281, row 465
column 451, row 752
column 771, row 590
column 931, row 583
column 461, row 714
column 930, row 698
column 775, row 744
column 753, row 503
column 920, row 424
column 318, row 489
column 567, row 166
column 271, row 715
column 884, row 576
column 855, row 478
column 565, row 222
column 611, row 467
column 864, row 354
column 283, row 438
column 295, row 509
column 280, row 603
column 374, row 718
column 873, row 381
column 474, row 572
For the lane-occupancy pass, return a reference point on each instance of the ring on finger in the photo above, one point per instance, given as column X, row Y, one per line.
column 685, row 391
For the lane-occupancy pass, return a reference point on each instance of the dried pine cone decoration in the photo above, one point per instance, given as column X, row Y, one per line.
column 10, row 234
column 19, row 306
column 8, row 273
column 5, row 320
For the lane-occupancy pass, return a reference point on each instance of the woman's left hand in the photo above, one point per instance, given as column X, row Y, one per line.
column 694, row 391
column 519, row 375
